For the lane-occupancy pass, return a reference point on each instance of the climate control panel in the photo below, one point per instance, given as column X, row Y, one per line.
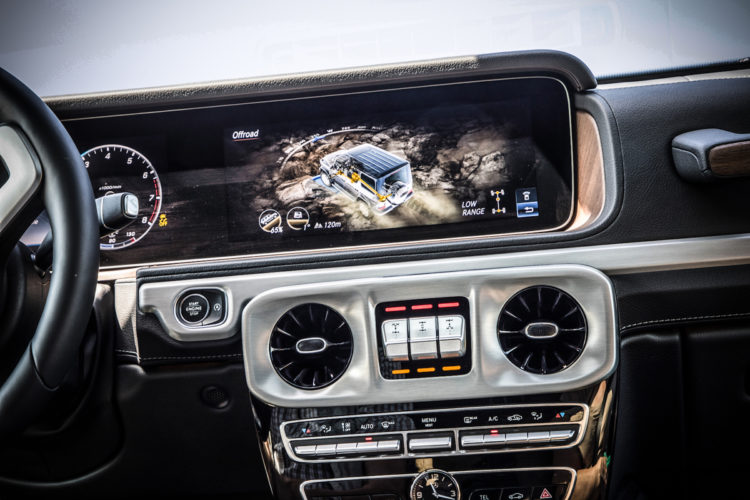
column 436, row 432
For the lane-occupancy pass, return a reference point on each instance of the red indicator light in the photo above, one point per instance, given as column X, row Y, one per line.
column 421, row 307
column 446, row 305
column 395, row 309
column 368, row 438
column 494, row 431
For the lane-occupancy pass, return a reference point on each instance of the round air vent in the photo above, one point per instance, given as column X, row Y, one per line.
column 542, row 330
column 311, row 346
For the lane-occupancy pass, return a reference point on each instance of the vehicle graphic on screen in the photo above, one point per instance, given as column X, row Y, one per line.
column 378, row 178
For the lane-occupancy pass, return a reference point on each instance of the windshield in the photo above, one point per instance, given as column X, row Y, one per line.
column 61, row 47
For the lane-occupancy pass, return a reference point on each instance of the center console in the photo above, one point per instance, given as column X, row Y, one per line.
column 427, row 377
column 384, row 382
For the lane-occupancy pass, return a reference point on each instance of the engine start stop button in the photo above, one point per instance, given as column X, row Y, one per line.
column 193, row 308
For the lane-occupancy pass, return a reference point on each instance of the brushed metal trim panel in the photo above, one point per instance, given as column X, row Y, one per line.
column 662, row 255
column 492, row 374
column 24, row 174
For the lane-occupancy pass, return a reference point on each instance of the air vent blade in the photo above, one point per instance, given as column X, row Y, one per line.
column 311, row 346
column 542, row 330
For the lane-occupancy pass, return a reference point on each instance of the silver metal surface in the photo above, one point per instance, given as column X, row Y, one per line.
column 343, row 448
column 516, row 437
column 431, row 443
column 305, row 450
column 475, row 444
column 493, row 439
column 367, row 447
column 325, row 449
column 474, row 441
column 389, row 445
column 24, row 174
column 539, row 437
column 492, row 374
column 566, row 496
column 167, row 313
column 626, row 258
column 561, row 435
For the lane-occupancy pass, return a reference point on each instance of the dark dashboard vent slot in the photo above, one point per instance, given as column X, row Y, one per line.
column 311, row 346
column 542, row 330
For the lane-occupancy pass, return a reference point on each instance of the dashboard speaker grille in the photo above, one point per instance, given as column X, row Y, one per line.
column 311, row 346
column 542, row 330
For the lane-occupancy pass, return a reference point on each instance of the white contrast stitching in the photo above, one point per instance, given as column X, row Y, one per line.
column 687, row 318
column 215, row 356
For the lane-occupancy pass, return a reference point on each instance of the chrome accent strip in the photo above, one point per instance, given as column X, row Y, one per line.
column 24, row 174
column 568, row 493
column 620, row 258
column 291, row 443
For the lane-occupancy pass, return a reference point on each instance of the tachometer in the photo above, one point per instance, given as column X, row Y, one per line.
column 115, row 169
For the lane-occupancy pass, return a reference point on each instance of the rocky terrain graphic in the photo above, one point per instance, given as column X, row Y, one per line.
column 464, row 164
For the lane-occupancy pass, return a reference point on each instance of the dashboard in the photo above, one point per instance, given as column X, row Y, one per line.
column 446, row 280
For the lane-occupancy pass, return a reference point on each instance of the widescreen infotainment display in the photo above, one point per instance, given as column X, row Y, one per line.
column 461, row 153
column 439, row 162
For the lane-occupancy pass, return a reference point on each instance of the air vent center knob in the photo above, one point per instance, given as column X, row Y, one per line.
column 541, row 330
column 311, row 345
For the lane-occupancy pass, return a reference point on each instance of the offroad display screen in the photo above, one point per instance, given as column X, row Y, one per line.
column 436, row 156
column 440, row 162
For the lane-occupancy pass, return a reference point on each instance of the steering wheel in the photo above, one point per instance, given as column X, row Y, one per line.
column 40, row 166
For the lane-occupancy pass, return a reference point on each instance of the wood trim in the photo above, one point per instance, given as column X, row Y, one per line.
column 589, row 172
column 730, row 160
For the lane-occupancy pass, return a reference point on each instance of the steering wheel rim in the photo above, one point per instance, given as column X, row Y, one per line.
column 31, row 137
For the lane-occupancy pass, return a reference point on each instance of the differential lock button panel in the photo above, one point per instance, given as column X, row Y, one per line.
column 458, row 335
column 423, row 338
